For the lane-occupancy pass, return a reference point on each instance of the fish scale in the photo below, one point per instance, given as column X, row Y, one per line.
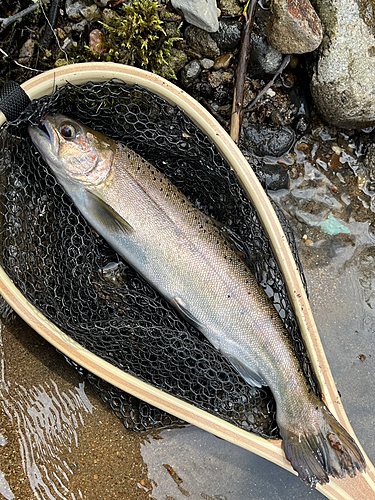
column 195, row 264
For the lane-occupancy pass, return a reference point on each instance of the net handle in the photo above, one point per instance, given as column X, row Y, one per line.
column 360, row 488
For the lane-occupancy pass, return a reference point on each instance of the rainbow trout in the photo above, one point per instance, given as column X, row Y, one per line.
column 193, row 263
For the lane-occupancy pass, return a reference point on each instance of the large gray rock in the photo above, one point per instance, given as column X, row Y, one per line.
column 201, row 13
column 343, row 83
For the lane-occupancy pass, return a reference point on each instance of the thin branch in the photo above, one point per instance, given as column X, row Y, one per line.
column 283, row 65
column 237, row 109
column 6, row 21
column 51, row 23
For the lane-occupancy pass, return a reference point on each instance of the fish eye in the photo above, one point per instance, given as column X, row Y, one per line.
column 68, row 131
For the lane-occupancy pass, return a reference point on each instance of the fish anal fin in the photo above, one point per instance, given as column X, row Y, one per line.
column 179, row 304
column 251, row 377
column 105, row 214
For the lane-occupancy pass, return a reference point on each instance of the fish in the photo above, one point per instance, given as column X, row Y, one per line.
column 195, row 263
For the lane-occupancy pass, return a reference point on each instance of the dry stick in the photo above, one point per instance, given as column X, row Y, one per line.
column 282, row 66
column 5, row 21
column 237, row 111
column 51, row 24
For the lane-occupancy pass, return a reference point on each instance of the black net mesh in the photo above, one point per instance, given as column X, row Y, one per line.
column 71, row 275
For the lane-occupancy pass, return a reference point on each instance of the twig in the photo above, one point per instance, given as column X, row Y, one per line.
column 283, row 65
column 51, row 23
column 19, row 64
column 6, row 21
column 237, row 111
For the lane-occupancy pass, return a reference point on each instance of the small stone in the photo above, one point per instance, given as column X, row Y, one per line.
column 223, row 62
column 268, row 140
column 230, row 8
column 26, row 52
column 102, row 3
column 200, row 13
column 81, row 26
column 369, row 161
column 276, row 177
column 264, row 59
column 202, row 42
column 302, row 146
column 190, row 73
column 294, row 27
column 309, row 243
column 206, row 63
column 97, row 42
column 229, row 34
column 73, row 9
column 91, row 13
column 61, row 33
column 215, row 79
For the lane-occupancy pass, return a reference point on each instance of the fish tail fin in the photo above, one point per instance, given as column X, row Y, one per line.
column 319, row 450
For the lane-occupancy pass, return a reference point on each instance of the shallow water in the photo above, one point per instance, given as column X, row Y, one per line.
column 59, row 441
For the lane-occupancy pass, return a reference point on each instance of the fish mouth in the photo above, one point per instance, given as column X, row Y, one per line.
column 44, row 137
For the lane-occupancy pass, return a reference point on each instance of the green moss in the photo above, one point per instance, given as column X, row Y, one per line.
column 138, row 38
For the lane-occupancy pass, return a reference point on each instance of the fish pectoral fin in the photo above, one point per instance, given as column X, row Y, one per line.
column 253, row 378
column 178, row 303
column 237, row 243
column 107, row 216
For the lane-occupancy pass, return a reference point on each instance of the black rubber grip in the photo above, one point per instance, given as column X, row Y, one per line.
column 13, row 100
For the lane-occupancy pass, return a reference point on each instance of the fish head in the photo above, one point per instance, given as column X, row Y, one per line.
column 74, row 152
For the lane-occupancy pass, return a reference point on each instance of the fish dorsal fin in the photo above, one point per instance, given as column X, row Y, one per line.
column 254, row 379
column 178, row 303
column 106, row 215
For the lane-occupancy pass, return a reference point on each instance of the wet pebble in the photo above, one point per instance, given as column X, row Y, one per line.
column 264, row 59
column 200, row 41
column 228, row 36
column 276, row 177
column 294, row 27
column 268, row 140
column 369, row 161
column 223, row 62
column 190, row 73
column 97, row 42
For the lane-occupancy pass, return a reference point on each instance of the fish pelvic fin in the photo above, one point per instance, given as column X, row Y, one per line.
column 106, row 215
column 319, row 450
column 251, row 377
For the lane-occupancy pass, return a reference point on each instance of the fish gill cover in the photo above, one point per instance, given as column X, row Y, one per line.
column 70, row 274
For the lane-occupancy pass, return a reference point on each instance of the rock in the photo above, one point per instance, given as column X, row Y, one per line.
column 73, row 9
column 268, row 140
column 81, row 26
column 26, row 52
column 264, row 59
column 178, row 59
column 102, row 3
column 343, row 82
column 200, row 13
column 97, row 42
column 230, row 8
column 276, row 177
column 91, row 13
column 206, row 63
column 190, row 72
column 229, row 34
column 202, row 42
column 369, row 162
column 223, row 62
column 294, row 27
